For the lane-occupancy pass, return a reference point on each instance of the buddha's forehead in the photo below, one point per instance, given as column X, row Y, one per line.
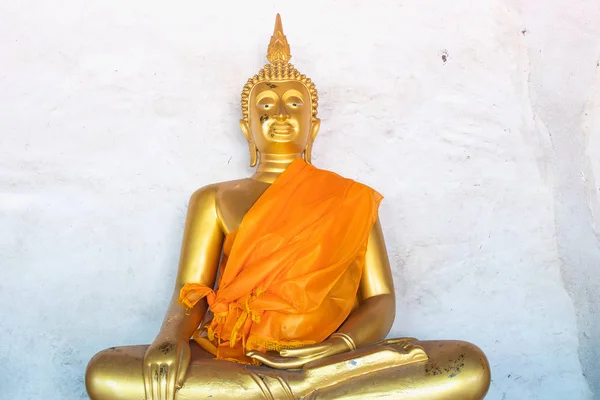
column 280, row 88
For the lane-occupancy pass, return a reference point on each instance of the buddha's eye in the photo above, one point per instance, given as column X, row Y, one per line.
column 266, row 106
column 295, row 104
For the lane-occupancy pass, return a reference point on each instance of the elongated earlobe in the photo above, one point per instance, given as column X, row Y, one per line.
column 251, row 146
column 314, row 130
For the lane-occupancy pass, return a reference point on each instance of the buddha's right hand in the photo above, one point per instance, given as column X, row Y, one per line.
column 165, row 364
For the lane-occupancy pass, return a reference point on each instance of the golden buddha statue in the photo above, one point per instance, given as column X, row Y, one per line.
column 304, row 298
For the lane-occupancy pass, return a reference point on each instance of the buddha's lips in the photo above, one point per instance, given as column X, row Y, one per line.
column 281, row 129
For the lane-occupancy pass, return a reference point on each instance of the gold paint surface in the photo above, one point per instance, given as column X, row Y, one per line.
column 279, row 108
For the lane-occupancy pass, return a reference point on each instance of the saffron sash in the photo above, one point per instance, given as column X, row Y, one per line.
column 290, row 273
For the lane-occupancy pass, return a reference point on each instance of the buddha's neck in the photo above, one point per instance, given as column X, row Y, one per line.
column 272, row 165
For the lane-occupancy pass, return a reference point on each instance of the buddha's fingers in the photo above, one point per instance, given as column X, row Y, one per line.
column 307, row 351
column 277, row 362
column 148, row 381
column 162, row 382
column 154, row 375
column 171, row 381
column 181, row 367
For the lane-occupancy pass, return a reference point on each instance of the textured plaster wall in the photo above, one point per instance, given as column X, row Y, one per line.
column 478, row 120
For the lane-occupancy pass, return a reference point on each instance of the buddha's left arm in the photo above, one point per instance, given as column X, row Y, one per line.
column 373, row 318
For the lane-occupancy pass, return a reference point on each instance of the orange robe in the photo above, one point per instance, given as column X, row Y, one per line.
column 290, row 273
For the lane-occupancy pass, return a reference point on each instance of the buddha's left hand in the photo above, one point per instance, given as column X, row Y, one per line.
column 296, row 358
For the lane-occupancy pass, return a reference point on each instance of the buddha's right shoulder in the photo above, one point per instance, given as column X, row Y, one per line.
column 211, row 193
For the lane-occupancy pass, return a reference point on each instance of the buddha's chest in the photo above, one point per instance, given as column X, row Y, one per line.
column 235, row 200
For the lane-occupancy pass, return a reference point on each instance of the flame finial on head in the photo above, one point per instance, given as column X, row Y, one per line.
column 279, row 49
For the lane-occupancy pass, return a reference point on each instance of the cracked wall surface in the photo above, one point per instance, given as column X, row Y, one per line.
column 478, row 121
column 569, row 46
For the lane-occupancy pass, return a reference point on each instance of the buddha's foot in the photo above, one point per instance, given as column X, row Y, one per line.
column 399, row 369
column 381, row 355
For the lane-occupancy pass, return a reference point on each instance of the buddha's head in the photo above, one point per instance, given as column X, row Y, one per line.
column 279, row 105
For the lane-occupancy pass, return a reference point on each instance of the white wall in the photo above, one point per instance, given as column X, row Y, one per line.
column 112, row 113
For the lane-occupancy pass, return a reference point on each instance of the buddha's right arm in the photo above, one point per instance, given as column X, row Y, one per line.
column 199, row 260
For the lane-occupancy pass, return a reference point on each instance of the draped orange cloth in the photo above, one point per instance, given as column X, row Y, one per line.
column 290, row 274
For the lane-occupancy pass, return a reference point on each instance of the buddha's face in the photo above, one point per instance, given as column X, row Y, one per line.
column 280, row 117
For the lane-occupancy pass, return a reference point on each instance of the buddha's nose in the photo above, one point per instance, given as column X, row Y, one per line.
column 281, row 114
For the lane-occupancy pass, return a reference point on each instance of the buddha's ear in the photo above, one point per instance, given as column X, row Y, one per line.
column 314, row 130
column 251, row 146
